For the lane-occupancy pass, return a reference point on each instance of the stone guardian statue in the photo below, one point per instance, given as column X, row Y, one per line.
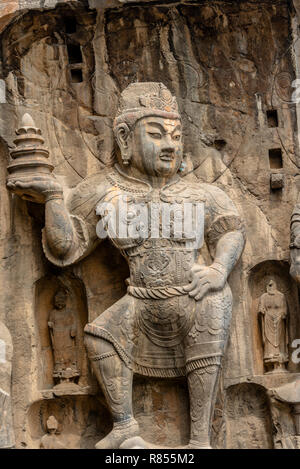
column 174, row 320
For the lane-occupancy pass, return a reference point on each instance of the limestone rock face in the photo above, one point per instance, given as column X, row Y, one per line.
column 6, row 423
column 232, row 68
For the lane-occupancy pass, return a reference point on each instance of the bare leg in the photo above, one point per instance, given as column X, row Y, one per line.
column 115, row 379
column 202, row 389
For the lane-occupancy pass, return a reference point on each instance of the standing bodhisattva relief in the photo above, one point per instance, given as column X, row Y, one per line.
column 273, row 312
column 174, row 320
column 63, row 332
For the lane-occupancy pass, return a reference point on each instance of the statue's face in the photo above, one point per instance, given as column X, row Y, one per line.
column 156, row 146
column 60, row 300
column 52, row 425
column 271, row 286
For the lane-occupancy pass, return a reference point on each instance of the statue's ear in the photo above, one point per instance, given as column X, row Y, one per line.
column 122, row 133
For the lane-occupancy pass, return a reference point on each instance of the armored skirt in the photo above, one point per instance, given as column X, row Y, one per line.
column 166, row 337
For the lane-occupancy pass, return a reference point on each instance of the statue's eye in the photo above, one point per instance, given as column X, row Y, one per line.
column 156, row 135
column 176, row 137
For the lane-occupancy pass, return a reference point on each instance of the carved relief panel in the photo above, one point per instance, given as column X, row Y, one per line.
column 248, row 418
column 273, row 318
column 273, row 300
column 61, row 313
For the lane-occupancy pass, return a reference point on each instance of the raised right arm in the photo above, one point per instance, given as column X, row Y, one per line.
column 70, row 225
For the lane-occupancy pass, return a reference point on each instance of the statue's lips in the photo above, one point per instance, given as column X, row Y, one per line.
column 167, row 157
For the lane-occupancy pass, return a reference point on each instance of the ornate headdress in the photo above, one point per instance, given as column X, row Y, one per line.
column 140, row 100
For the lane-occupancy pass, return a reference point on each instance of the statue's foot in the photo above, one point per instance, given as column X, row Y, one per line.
column 198, row 445
column 121, row 431
column 134, row 443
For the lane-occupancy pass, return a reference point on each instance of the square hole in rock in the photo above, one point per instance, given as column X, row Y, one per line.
column 272, row 118
column 70, row 25
column 74, row 53
column 76, row 76
column 275, row 158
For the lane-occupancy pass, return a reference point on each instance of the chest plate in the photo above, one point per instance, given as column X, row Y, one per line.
column 130, row 221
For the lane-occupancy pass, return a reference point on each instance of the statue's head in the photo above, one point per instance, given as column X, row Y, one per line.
column 271, row 286
column 52, row 424
column 148, row 129
column 60, row 299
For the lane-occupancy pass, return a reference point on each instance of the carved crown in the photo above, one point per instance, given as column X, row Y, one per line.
column 144, row 99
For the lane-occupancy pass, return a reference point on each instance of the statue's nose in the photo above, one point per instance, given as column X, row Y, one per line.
column 168, row 144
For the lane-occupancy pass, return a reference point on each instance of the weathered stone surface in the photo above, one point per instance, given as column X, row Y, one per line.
column 7, row 439
column 231, row 67
column 11, row 9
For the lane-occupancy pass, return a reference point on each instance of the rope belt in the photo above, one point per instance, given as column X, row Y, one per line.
column 156, row 293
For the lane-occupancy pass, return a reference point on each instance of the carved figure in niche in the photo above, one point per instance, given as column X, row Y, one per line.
column 63, row 332
column 295, row 242
column 285, row 407
column 174, row 320
column 273, row 312
column 51, row 439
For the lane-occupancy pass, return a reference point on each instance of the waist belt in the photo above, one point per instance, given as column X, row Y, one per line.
column 156, row 293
